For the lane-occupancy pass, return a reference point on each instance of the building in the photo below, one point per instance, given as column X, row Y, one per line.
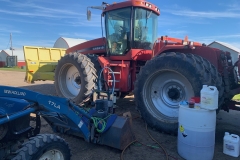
column 226, row 47
column 63, row 42
column 16, row 52
column 3, row 58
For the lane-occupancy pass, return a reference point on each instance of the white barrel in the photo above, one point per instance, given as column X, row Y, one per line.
column 231, row 144
column 209, row 97
column 196, row 133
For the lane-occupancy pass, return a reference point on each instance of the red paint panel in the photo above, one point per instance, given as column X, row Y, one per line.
column 134, row 54
column 92, row 46
column 168, row 44
column 20, row 64
column 2, row 63
column 123, row 79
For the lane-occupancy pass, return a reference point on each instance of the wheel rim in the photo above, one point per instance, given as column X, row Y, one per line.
column 69, row 81
column 53, row 154
column 163, row 91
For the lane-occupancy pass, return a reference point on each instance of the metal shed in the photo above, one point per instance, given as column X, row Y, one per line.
column 226, row 47
column 16, row 52
column 64, row 42
column 3, row 57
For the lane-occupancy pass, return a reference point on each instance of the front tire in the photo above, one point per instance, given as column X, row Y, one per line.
column 74, row 77
column 44, row 146
column 166, row 80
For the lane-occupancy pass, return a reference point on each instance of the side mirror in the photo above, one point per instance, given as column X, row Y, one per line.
column 88, row 15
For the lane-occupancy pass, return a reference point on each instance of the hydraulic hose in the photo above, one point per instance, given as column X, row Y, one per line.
column 100, row 75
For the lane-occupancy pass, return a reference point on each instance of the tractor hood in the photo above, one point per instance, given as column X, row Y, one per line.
column 92, row 46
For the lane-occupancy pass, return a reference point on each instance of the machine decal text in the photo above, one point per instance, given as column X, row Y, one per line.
column 54, row 104
column 14, row 92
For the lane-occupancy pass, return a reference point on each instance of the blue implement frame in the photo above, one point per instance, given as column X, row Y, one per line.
column 40, row 103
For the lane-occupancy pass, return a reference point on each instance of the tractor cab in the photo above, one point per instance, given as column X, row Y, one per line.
column 130, row 28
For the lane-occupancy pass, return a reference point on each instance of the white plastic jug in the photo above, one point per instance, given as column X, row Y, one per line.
column 231, row 144
column 209, row 97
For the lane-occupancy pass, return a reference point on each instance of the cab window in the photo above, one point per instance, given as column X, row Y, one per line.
column 118, row 31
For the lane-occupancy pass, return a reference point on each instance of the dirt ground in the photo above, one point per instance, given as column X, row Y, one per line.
column 80, row 149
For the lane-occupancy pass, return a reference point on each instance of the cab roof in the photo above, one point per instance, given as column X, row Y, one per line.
column 134, row 3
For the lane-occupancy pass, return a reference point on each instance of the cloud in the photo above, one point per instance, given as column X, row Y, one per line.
column 177, row 33
column 41, row 42
column 46, row 9
column 232, row 39
column 203, row 14
column 4, row 43
column 231, row 7
column 168, row 20
column 76, row 23
column 222, row 36
column 236, row 44
column 19, row 42
column 32, row 14
column 83, row 22
column 35, row 21
column 33, row 10
column 81, row 35
column 69, row 18
column 7, row 30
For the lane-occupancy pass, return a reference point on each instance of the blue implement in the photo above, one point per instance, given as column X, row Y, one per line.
column 65, row 116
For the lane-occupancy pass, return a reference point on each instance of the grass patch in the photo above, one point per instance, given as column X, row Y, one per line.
column 12, row 69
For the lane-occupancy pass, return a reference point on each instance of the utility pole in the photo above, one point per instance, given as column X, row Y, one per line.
column 11, row 42
column 11, row 58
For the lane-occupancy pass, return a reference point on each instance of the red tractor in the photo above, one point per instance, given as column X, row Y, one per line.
column 161, row 72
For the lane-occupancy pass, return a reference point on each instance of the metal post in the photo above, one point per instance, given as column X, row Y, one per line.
column 11, row 59
column 11, row 42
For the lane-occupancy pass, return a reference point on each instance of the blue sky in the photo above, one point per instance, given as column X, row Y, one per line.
column 41, row 22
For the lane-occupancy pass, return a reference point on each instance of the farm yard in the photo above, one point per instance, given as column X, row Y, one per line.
column 145, row 147
column 127, row 80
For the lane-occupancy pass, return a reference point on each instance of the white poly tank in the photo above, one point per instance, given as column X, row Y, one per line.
column 196, row 133
column 209, row 97
column 231, row 144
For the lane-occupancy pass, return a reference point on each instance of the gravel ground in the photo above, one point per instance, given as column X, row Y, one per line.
column 80, row 149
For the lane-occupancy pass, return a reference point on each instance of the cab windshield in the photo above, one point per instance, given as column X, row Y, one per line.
column 128, row 28
column 145, row 29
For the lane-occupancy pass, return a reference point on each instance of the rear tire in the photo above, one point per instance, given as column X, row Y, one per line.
column 74, row 77
column 44, row 146
column 166, row 80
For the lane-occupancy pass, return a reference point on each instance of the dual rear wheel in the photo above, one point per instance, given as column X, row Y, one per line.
column 168, row 79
